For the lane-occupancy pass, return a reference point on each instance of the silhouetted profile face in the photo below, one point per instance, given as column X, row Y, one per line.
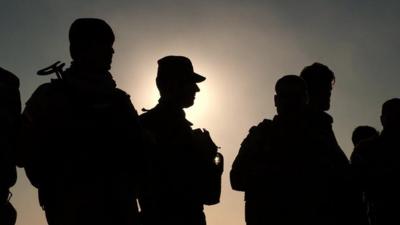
column 91, row 43
column 291, row 96
column 362, row 133
column 319, row 79
column 390, row 117
column 177, row 82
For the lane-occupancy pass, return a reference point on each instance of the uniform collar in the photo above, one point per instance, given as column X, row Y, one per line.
column 172, row 111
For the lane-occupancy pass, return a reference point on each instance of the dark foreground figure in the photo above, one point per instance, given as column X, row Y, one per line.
column 291, row 168
column 361, row 134
column 342, row 200
column 277, row 163
column 81, row 137
column 183, row 172
column 376, row 162
column 10, row 109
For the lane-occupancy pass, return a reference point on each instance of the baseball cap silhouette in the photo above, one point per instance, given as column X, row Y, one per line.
column 177, row 68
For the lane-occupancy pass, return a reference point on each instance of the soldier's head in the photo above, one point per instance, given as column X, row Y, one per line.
column 91, row 43
column 319, row 79
column 362, row 133
column 176, row 81
column 390, row 116
column 291, row 96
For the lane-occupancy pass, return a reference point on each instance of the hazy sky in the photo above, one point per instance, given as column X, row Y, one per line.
column 242, row 47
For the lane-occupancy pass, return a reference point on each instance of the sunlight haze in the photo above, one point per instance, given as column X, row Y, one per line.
column 241, row 47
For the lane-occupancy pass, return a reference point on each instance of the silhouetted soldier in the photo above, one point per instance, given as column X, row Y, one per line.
column 342, row 202
column 362, row 133
column 10, row 110
column 378, row 169
column 183, row 174
column 277, row 162
column 81, row 136
column 320, row 79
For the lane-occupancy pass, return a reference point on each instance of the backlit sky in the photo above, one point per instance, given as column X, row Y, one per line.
column 242, row 47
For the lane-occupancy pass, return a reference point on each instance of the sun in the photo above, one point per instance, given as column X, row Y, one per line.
column 202, row 103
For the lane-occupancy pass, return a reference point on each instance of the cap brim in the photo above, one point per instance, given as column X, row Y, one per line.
column 198, row 78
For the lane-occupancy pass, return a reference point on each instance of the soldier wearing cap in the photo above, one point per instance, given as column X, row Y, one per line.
column 81, row 137
column 10, row 122
column 183, row 174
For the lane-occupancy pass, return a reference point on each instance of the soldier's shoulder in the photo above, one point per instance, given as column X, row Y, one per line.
column 44, row 91
column 366, row 148
column 42, row 99
column 122, row 98
column 152, row 118
column 259, row 131
column 263, row 126
column 369, row 143
column 147, row 115
column 266, row 123
column 121, row 93
column 8, row 79
column 44, row 88
column 326, row 117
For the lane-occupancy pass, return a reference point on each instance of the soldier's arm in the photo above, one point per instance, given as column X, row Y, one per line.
column 244, row 161
column 361, row 163
column 8, row 176
column 9, row 115
column 31, row 135
column 240, row 167
column 8, row 133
